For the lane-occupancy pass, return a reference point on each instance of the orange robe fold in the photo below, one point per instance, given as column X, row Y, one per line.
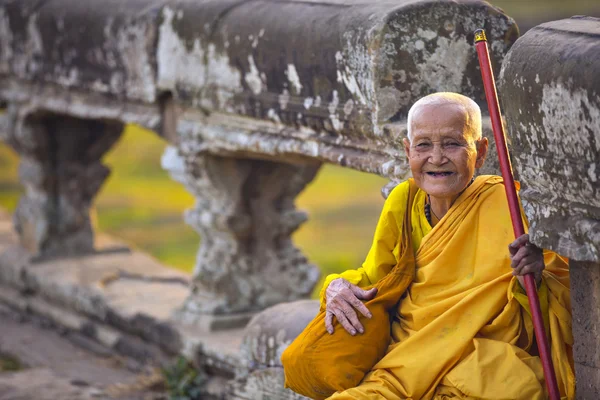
column 463, row 330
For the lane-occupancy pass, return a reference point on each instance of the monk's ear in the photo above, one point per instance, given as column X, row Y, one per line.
column 482, row 148
column 406, row 147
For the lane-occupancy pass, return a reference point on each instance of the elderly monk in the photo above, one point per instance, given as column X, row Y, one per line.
column 463, row 329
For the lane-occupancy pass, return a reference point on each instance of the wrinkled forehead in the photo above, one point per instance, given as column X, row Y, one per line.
column 441, row 118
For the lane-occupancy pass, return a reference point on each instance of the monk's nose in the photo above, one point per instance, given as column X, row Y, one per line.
column 437, row 155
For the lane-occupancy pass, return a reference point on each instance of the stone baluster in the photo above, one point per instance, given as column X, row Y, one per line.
column 61, row 172
column 245, row 215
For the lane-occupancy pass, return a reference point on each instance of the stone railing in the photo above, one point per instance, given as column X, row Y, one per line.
column 253, row 97
column 550, row 87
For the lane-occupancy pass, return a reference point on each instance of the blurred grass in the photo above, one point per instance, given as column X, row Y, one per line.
column 529, row 9
column 10, row 190
column 9, row 363
column 142, row 205
column 529, row 13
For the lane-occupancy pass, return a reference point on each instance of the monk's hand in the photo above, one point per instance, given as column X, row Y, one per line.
column 342, row 298
column 526, row 258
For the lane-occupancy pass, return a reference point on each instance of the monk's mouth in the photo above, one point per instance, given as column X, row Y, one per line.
column 439, row 174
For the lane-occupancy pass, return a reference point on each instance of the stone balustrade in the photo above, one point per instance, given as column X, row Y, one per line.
column 550, row 90
column 253, row 97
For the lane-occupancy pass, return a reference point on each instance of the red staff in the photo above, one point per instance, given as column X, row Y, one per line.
column 513, row 204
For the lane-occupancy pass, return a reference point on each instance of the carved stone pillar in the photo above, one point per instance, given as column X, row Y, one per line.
column 61, row 172
column 245, row 215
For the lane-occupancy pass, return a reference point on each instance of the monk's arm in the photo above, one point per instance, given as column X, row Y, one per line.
column 381, row 257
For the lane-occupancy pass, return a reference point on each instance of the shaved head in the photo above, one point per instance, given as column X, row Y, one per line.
column 471, row 110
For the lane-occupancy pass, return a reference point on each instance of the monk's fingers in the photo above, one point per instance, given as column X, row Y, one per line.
column 352, row 317
column 329, row 322
column 518, row 256
column 517, row 270
column 527, row 260
column 518, row 243
column 521, row 240
column 512, row 250
column 532, row 265
column 363, row 294
column 343, row 320
column 529, row 253
column 360, row 306
column 537, row 273
column 534, row 268
column 533, row 249
column 349, row 297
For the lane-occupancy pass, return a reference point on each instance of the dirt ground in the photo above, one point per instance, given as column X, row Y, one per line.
column 40, row 362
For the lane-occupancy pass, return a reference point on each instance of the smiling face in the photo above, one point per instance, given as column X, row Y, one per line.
column 443, row 154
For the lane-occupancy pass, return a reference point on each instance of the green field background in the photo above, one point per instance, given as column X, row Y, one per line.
column 140, row 204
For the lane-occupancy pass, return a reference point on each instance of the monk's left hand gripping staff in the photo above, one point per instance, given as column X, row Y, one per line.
column 513, row 204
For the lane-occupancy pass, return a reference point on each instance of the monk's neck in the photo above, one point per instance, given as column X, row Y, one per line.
column 440, row 206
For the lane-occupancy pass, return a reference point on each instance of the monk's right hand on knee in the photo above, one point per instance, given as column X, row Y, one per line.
column 342, row 298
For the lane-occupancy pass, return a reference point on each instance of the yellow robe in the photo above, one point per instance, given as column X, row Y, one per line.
column 463, row 330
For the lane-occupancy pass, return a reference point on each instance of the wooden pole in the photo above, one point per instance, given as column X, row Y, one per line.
column 513, row 205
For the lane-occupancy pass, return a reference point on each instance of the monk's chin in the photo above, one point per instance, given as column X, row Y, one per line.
column 443, row 187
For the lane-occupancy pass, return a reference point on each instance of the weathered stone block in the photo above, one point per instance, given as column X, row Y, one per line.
column 271, row 331
column 356, row 67
column 550, row 90
column 341, row 94
column 585, row 301
column 102, row 46
column 588, row 382
column 243, row 81
column 263, row 384
column 267, row 335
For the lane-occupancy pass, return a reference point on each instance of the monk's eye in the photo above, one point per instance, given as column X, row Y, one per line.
column 423, row 145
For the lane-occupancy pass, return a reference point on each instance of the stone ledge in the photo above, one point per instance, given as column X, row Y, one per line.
column 268, row 382
column 117, row 299
column 241, row 58
column 335, row 96
column 108, row 337
column 111, row 288
column 92, row 297
column 212, row 353
column 44, row 384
